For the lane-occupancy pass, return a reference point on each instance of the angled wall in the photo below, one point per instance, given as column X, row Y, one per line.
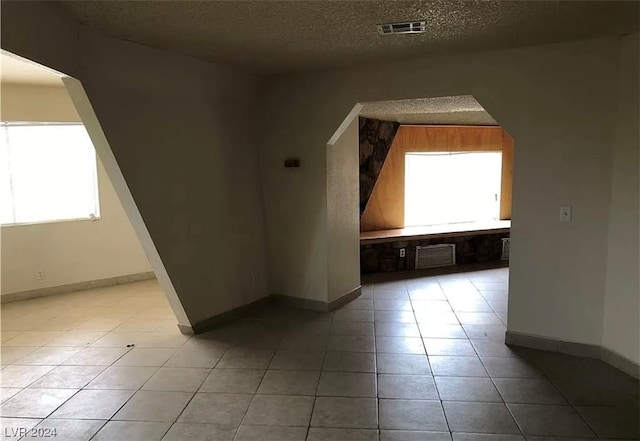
column 181, row 133
column 622, row 301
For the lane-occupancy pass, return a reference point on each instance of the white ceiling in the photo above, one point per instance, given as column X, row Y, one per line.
column 450, row 110
column 269, row 36
column 19, row 71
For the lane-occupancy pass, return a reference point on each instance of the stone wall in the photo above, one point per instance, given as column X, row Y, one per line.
column 376, row 138
column 385, row 257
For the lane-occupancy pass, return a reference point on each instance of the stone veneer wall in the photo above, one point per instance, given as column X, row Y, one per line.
column 376, row 137
column 385, row 257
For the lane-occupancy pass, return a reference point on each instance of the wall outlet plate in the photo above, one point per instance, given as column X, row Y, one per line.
column 565, row 213
column 403, row 252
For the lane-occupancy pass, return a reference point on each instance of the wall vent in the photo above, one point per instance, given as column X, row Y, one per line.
column 506, row 248
column 409, row 27
column 433, row 256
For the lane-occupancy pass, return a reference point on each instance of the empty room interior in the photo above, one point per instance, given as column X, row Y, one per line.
column 320, row 220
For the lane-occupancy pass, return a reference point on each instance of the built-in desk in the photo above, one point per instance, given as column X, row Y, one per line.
column 476, row 242
column 435, row 231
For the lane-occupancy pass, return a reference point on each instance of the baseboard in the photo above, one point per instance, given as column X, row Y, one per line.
column 225, row 317
column 298, row 302
column 621, row 362
column 72, row 287
column 572, row 348
column 346, row 298
column 317, row 305
column 242, row 311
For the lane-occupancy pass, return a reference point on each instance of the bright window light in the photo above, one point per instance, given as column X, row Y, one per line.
column 48, row 173
column 452, row 187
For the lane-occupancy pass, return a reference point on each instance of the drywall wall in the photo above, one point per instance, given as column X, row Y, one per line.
column 68, row 252
column 182, row 135
column 557, row 103
column 30, row 102
column 343, row 213
column 622, row 302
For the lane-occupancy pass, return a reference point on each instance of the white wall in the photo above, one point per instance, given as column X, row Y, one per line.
column 343, row 210
column 622, row 301
column 68, row 252
column 182, row 133
column 556, row 101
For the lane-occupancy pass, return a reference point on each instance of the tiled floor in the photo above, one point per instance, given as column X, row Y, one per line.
column 420, row 359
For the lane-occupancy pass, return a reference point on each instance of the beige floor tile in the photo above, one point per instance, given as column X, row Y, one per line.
column 279, row 410
column 14, row 428
column 11, row 354
column 69, row 430
column 145, row 357
column 323, row 434
column 347, row 384
column 289, row 383
column 241, row 358
column 292, row 360
column 121, row 377
column 93, row 404
column 147, row 405
column 271, row 433
column 8, row 392
column 419, row 435
column 414, row 387
column 22, row 376
column 115, row 339
column 8, row 335
column 76, row 338
column 33, row 338
column 228, row 409
column 132, row 430
column 68, row 377
column 177, row 379
column 195, row 357
column 351, row 413
column 233, row 381
column 35, row 403
column 412, row 415
column 200, row 432
column 349, row 362
column 96, row 356
column 99, row 324
column 49, row 356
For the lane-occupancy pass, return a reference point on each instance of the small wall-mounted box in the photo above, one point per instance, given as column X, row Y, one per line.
column 292, row 163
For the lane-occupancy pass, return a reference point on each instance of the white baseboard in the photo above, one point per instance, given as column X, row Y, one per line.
column 79, row 286
column 598, row 352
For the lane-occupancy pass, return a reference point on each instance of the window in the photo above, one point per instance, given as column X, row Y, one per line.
column 48, row 173
column 452, row 187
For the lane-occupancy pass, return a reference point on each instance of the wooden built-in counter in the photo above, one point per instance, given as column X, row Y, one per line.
column 435, row 232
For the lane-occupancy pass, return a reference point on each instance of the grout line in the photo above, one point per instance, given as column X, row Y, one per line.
column 422, row 338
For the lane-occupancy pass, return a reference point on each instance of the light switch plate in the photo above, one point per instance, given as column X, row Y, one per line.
column 565, row 213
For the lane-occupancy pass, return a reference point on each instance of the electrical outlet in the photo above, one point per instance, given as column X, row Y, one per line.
column 565, row 213
column 403, row 252
column 40, row 274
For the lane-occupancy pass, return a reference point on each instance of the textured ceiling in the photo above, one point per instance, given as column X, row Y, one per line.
column 280, row 36
column 19, row 71
column 457, row 110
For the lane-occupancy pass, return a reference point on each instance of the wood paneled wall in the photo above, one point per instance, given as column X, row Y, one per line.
column 385, row 209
